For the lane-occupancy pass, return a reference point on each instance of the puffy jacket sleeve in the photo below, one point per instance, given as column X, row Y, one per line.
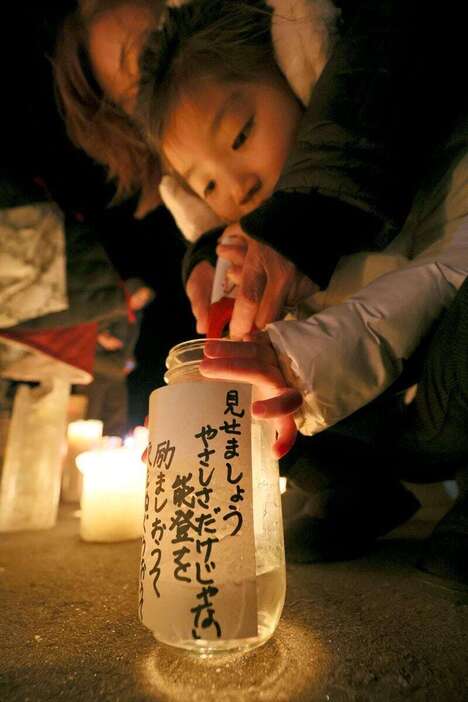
column 344, row 357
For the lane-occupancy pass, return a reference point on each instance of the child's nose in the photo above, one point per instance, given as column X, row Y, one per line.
column 245, row 187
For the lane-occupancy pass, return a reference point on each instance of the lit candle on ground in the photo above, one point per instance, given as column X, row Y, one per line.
column 82, row 435
column 138, row 440
column 109, row 442
column 113, row 498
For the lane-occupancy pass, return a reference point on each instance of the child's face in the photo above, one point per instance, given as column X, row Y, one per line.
column 230, row 142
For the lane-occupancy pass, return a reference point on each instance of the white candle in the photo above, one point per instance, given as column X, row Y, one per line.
column 138, row 440
column 109, row 442
column 113, row 498
column 283, row 482
column 82, row 435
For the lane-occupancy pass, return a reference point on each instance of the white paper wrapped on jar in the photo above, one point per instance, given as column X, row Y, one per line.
column 212, row 570
column 113, row 498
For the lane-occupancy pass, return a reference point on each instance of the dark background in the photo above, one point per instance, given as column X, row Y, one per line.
column 34, row 143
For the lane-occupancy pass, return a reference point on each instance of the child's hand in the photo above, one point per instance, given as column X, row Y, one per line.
column 199, row 286
column 267, row 282
column 234, row 252
column 255, row 361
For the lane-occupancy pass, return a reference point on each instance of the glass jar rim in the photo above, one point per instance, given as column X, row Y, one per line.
column 186, row 355
column 184, row 351
column 190, row 351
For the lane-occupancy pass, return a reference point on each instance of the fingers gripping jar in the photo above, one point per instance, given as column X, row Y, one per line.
column 212, row 574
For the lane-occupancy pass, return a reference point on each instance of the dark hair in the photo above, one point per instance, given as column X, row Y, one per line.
column 93, row 121
column 228, row 40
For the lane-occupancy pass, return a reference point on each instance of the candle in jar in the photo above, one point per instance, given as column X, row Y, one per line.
column 113, row 498
column 82, row 435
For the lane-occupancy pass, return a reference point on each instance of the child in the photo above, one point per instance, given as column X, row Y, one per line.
column 204, row 111
column 371, row 125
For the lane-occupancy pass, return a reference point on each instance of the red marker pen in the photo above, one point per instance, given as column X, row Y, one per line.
column 223, row 297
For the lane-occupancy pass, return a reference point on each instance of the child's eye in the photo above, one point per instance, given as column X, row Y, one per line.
column 243, row 134
column 209, row 188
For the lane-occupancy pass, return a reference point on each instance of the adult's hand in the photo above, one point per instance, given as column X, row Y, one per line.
column 255, row 362
column 267, row 282
column 198, row 289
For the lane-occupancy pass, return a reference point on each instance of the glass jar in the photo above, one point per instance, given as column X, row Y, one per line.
column 235, row 602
